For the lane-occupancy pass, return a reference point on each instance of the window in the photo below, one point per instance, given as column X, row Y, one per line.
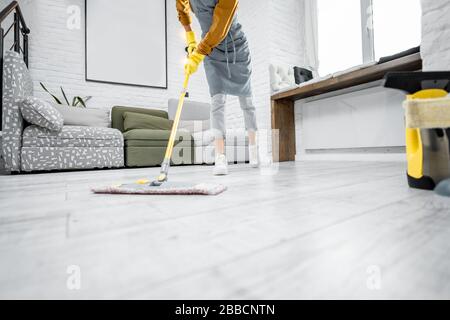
column 353, row 32
column 397, row 26
column 340, row 38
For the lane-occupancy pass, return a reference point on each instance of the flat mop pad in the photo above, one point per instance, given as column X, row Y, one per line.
column 166, row 188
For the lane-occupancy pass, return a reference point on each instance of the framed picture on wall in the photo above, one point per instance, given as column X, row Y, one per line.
column 126, row 42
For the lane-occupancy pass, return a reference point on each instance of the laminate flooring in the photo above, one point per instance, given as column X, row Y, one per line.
column 304, row 230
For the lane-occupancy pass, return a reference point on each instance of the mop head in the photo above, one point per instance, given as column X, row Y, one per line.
column 166, row 188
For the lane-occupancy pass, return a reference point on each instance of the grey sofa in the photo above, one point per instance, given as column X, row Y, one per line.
column 32, row 148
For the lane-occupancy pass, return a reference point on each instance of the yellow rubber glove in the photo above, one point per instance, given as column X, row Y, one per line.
column 193, row 62
column 191, row 42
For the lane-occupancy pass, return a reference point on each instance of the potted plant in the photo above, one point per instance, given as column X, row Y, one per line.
column 76, row 101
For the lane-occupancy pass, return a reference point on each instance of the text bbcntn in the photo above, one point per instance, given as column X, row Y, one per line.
column 204, row 311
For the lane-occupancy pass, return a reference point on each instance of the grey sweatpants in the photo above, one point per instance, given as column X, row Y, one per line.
column 218, row 114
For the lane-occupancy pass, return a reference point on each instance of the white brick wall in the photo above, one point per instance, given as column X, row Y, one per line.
column 57, row 55
column 57, row 59
column 436, row 35
column 287, row 32
column 275, row 33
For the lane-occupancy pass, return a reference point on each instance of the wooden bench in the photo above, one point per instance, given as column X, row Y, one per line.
column 283, row 114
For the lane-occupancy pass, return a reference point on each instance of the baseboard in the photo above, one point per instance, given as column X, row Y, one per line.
column 378, row 154
column 376, row 157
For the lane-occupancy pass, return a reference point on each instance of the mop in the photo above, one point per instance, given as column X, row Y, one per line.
column 161, row 186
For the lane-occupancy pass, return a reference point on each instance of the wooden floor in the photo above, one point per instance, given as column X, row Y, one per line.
column 304, row 230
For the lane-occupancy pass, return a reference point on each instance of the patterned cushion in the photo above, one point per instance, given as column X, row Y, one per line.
column 37, row 111
column 17, row 85
column 72, row 136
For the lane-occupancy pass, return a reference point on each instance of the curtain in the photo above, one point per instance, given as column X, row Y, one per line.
column 311, row 30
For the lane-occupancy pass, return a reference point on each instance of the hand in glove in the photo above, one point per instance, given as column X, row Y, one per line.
column 193, row 62
column 191, row 42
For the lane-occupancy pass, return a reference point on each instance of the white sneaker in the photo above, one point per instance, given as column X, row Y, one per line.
column 254, row 156
column 221, row 166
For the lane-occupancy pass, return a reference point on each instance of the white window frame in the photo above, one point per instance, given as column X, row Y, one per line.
column 368, row 37
column 367, row 31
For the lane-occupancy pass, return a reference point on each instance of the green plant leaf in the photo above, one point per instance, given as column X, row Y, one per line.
column 65, row 97
column 80, row 100
column 86, row 99
column 74, row 102
column 54, row 97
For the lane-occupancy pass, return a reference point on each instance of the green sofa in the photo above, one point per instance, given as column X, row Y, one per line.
column 147, row 147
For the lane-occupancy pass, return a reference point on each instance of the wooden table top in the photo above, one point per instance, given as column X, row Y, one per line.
column 354, row 78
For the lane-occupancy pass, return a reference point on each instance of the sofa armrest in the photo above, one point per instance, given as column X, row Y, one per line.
column 117, row 115
column 17, row 85
column 13, row 125
column 192, row 110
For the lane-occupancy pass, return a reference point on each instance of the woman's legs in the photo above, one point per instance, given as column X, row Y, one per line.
column 219, row 129
column 249, row 110
column 251, row 126
column 252, row 137
column 219, row 144
column 218, row 121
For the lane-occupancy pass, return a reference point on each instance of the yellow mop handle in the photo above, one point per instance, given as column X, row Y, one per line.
column 176, row 121
column 166, row 163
